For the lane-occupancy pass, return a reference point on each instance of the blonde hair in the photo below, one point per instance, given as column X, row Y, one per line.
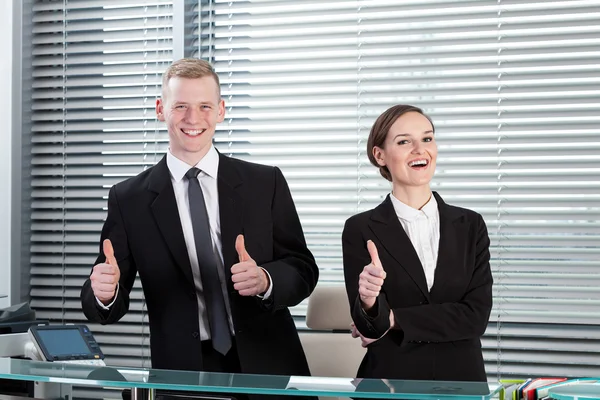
column 189, row 68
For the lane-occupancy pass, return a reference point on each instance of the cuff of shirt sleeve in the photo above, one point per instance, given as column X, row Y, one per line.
column 107, row 307
column 376, row 320
column 373, row 312
column 269, row 290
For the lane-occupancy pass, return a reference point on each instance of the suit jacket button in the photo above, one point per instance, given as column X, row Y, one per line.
column 196, row 334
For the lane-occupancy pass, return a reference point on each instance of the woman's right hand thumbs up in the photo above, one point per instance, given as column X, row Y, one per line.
column 371, row 278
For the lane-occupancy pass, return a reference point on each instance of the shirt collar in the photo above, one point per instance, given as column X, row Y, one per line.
column 407, row 213
column 209, row 165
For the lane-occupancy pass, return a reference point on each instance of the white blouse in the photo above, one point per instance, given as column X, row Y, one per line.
column 423, row 229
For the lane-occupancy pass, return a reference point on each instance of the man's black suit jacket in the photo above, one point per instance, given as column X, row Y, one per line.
column 144, row 226
column 437, row 334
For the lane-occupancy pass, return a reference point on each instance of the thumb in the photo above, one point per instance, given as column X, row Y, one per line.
column 109, row 252
column 374, row 254
column 240, row 247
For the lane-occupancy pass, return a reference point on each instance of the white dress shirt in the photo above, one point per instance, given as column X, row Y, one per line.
column 423, row 229
column 209, row 167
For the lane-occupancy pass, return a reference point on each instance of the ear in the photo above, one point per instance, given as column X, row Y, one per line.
column 221, row 114
column 160, row 110
column 378, row 153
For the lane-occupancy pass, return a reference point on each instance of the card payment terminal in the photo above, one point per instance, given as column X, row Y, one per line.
column 72, row 344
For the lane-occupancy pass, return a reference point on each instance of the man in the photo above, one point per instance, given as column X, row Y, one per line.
column 219, row 249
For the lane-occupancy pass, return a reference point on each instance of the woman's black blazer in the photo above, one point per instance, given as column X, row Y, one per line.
column 437, row 333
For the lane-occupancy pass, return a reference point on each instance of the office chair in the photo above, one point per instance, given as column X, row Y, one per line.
column 330, row 350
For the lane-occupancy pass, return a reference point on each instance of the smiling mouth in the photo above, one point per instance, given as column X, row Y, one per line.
column 193, row 132
column 418, row 164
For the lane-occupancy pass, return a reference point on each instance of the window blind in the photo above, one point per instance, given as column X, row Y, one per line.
column 97, row 68
column 547, row 225
column 512, row 87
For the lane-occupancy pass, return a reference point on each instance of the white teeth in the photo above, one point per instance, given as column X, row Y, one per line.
column 417, row 163
column 194, row 132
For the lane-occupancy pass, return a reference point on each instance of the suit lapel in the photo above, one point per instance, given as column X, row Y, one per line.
column 230, row 211
column 388, row 230
column 166, row 214
column 453, row 231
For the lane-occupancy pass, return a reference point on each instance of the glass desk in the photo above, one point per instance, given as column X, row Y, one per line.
column 575, row 392
column 155, row 379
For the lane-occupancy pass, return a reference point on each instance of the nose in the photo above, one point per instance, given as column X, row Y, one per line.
column 418, row 147
column 192, row 115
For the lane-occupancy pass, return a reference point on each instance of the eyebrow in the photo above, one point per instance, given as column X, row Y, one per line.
column 207, row 102
column 408, row 134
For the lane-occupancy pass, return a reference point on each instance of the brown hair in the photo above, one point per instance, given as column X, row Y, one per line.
column 380, row 130
column 189, row 68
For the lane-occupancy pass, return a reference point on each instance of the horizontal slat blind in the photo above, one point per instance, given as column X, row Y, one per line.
column 96, row 68
column 548, row 184
column 513, row 90
column 511, row 85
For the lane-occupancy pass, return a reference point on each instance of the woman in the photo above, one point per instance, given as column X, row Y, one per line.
column 417, row 269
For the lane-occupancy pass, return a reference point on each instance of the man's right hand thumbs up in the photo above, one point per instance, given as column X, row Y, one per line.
column 371, row 278
column 105, row 276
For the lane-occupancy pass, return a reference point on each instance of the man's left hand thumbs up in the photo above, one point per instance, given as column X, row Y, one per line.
column 248, row 278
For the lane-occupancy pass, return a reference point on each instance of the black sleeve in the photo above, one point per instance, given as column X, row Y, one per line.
column 293, row 271
column 114, row 230
column 374, row 323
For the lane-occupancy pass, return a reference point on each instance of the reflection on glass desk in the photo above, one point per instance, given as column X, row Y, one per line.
column 575, row 392
column 117, row 377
